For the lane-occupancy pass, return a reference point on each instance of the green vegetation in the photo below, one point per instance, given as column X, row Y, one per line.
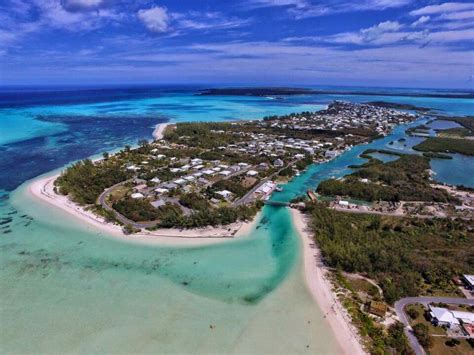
column 378, row 340
column 137, row 210
column 208, row 217
column 194, row 201
column 421, row 332
column 405, row 256
column 458, row 132
column 203, row 135
column 84, row 181
column 231, row 185
column 405, row 179
column 446, row 145
column 432, row 155
column 423, row 129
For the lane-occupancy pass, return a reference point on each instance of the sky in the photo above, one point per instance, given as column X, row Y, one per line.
column 400, row 43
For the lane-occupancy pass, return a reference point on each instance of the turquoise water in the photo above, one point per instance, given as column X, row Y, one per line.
column 69, row 288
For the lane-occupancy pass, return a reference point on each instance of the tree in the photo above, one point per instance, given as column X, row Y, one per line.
column 421, row 332
column 413, row 313
column 105, row 155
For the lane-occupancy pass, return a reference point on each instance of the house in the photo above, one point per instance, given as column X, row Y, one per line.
column 158, row 203
column 448, row 318
column 225, row 194
column 137, row 195
column 252, row 173
column 180, row 181
column 468, row 281
column 377, row 308
column 170, row 186
column 225, row 173
column 161, row 190
column 155, row 180
column 208, row 172
column 278, row 163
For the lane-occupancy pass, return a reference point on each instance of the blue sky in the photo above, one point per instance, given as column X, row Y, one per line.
column 274, row 42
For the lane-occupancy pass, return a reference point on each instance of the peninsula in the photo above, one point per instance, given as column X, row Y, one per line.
column 213, row 175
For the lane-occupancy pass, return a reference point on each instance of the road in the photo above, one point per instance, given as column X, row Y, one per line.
column 249, row 195
column 400, row 309
column 102, row 201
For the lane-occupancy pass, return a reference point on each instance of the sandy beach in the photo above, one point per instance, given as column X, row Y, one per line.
column 321, row 290
column 43, row 189
column 159, row 130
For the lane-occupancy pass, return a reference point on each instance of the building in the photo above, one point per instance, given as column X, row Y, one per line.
column 278, row 163
column 137, row 195
column 468, row 281
column 225, row 194
column 377, row 308
column 448, row 318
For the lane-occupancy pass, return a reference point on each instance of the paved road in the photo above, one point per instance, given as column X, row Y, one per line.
column 102, row 201
column 249, row 195
column 400, row 309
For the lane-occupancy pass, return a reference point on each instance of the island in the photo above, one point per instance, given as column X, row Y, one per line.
column 285, row 91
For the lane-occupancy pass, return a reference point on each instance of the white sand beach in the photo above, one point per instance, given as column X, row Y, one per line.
column 43, row 189
column 159, row 130
column 321, row 290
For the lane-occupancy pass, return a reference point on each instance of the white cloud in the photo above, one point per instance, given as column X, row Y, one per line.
column 196, row 20
column 420, row 21
column 300, row 9
column 73, row 5
column 155, row 19
column 442, row 8
column 461, row 15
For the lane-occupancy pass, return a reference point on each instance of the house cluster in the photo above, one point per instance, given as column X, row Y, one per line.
column 458, row 320
column 278, row 146
column 346, row 115
column 192, row 174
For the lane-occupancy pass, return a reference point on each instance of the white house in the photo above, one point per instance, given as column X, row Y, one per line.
column 225, row 194
column 278, row 163
column 225, row 173
column 446, row 317
column 252, row 173
column 137, row 195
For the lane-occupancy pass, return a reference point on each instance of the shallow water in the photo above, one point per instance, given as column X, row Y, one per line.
column 68, row 288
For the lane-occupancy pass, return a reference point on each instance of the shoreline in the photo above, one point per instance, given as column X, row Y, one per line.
column 43, row 190
column 159, row 131
column 321, row 290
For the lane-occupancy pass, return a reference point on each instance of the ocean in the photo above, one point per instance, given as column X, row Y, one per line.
column 69, row 288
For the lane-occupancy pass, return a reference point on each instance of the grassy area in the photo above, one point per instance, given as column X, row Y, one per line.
column 440, row 348
column 458, row 132
column 446, row 145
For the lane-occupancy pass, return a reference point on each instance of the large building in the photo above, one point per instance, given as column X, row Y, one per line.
column 444, row 317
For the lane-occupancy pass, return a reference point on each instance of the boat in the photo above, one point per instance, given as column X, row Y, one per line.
column 279, row 189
